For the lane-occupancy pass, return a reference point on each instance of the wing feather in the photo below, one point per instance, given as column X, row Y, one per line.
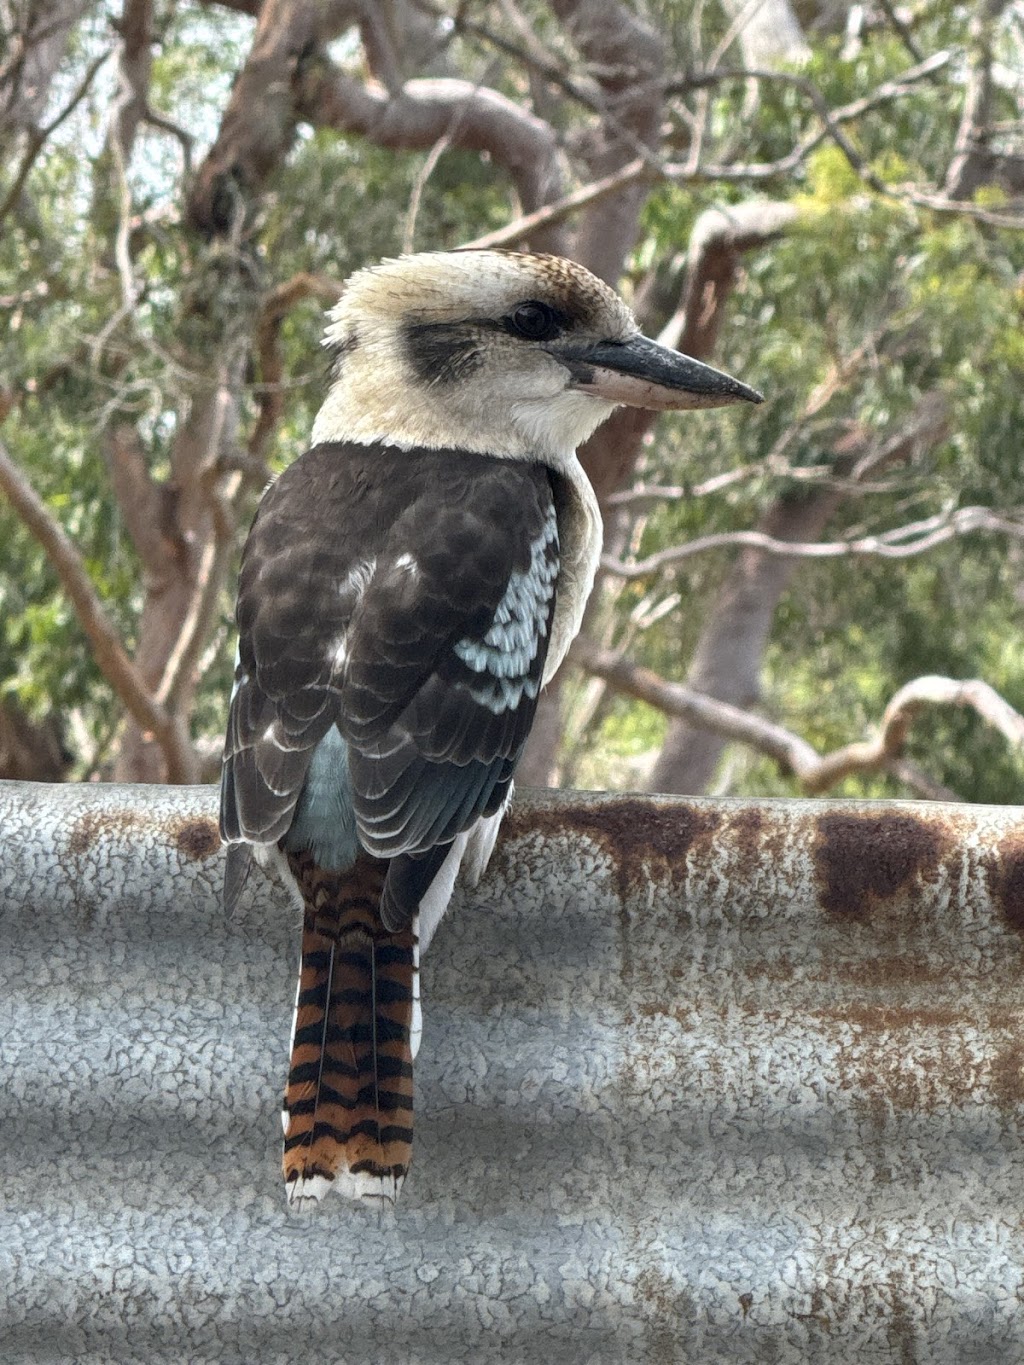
column 405, row 598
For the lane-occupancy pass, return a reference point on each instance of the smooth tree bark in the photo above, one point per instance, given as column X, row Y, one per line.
column 728, row 658
column 31, row 751
column 626, row 58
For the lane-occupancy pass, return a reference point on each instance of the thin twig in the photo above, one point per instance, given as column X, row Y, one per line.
column 434, row 156
column 554, row 212
column 902, row 542
column 37, row 139
column 905, row 35
column 122, row 253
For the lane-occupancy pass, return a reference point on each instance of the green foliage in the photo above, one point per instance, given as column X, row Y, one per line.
column 867, row 303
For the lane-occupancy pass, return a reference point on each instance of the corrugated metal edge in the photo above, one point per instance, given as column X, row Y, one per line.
column 703, row 1080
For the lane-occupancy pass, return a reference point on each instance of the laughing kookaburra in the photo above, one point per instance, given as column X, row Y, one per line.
column 408, row 586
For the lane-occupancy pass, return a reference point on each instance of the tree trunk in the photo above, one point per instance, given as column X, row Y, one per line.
column 627, row 58
column 727, row 661
column 30, row 751
column 176, row 527
column 36, row 40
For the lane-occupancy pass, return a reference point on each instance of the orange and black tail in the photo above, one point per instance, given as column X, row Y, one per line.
column 348, row 1103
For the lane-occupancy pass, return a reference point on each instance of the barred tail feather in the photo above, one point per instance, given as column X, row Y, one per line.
column 348, row 1103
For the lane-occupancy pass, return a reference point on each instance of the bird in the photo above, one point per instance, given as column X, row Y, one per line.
column 408, row 586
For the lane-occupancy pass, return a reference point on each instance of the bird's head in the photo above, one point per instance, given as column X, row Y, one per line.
column 506, row 353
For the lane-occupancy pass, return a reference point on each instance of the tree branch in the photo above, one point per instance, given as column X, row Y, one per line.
column 559, row 209
column 37, row 139
column 815, row 772
column 270, row 396
column 107, row 648
column 534, row 56
column 426, row 110
column 641, row 168
column 902, row 542
column 137, row 493
column 261, row 118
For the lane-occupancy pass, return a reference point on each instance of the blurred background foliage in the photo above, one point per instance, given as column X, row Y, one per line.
column 902, row 298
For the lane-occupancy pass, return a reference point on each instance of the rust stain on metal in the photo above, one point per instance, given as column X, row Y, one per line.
column 91, row 827
column 917, row 1058
column 901, row 1328
column 774, row 969
column 1004, row 872
column 1008, row 1076
column 885, row 972
column 864, row 859
column 670, row 1307
column 747, row 833
column 865, row 1018
column 196, row 839
column 749, row 840
column 634, row 833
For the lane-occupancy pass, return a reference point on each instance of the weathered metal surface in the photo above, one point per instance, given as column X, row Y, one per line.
column 700, row 1081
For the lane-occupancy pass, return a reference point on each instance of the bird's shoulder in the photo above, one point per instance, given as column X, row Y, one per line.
column 433, row 522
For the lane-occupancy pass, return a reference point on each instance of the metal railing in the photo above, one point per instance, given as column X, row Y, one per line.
column 702, row 1081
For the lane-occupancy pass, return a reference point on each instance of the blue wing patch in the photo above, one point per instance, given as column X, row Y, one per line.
column 502, row 657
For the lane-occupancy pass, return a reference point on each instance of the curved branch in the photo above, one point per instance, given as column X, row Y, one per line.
column 815, row 772
column 37, row 139
column 902, row 542
column 476, row 119
column 560, row 209
column 259, row 123
column 108, row 651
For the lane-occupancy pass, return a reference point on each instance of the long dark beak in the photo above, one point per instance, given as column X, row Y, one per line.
column 642, row 374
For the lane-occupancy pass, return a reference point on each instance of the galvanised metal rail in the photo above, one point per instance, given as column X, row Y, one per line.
column 701, row 1081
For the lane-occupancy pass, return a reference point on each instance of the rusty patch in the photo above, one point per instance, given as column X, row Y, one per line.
column 1008, row 1076
column 864, row 859
column 894, row 1058
column 746, row 828
column 817, row 1315
column 1004, row 872
column 901, row 1328
column 774, row 969
column 683, row 1014
column 92, row 826
column 669, row 1308
column 864, row 1018
column 84, row 833
column 748, row 841
column 885, row 972
column 633, row 833
column 196, row 839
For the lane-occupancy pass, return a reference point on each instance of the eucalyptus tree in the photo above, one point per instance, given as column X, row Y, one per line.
column 828, row 204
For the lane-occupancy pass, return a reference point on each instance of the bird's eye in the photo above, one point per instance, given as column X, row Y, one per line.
column 535, row 322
